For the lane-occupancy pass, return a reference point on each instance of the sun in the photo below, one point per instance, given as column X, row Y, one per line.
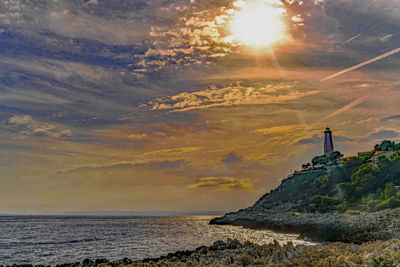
column 258, row 25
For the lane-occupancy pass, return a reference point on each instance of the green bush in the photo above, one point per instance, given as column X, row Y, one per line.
column 389, row 191
column 390, row 203
column 371, row 205
column 350, row 166
column 385, row 145
column 320, row 160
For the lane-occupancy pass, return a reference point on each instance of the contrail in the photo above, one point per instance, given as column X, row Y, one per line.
column 397, row 50
column 349, row 106
column 348, row 41
column 356, row 36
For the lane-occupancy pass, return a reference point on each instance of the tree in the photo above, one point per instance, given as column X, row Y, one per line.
column 323, row 159
column 336, row 175
column 335, row 156
column 346, row 191
column 396, row 147
column 315, row 160
column 385, row 145
column 389, row 203
column 350, row 166
column 306, row 166
column 364, row 179
column 384, row 165
column 320, row 160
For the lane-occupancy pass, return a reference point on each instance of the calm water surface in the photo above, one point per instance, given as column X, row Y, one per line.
column 61, row 239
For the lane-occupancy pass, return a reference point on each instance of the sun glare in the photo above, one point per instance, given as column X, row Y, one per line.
column 258, row 25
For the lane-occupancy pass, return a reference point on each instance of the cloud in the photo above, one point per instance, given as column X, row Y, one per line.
column 105, row 22
column 173, row 151
column 222, row 183
column 338, row 34
column 26, row 126
column 229, row 96
column 232, row 159
column 319, row 139
column 137, row 136
column 382, row 134
column 277, row 130
column 21, row 120
column 391, row 118
column 153, row 164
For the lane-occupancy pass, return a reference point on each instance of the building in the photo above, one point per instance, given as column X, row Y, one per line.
column 328, row 143
column 375, row 157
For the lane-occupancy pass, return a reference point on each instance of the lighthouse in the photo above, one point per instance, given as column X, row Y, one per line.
column 328, row 143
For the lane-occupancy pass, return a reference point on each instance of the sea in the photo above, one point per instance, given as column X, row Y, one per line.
column 52, row 240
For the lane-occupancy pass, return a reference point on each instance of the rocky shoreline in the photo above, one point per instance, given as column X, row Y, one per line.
column 357, row 227
column 234, row 253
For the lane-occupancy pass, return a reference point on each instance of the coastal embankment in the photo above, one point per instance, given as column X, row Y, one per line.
column 348, row 227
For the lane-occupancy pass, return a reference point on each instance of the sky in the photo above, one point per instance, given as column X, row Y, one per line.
column 183, row 105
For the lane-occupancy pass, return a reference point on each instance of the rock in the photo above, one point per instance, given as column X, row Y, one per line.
column 88, row 262
column 99, row 261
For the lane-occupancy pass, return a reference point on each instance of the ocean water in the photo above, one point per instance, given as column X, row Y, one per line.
column 61, row 239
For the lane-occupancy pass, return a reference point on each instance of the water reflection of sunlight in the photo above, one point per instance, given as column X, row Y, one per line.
column 259, row 237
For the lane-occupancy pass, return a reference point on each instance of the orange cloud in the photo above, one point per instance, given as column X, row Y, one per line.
column 223, row 183
column 156, row 164
column 230, row 96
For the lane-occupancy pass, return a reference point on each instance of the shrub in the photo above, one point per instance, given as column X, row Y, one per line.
column 390, row 203
column 385, row 145
column 371, row 205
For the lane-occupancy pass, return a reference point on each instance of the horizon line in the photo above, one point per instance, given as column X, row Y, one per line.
column 114, row 213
